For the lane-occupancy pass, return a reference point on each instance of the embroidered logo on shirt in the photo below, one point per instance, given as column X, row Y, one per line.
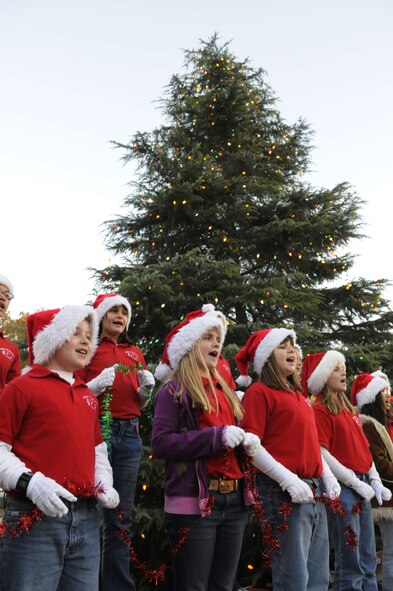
column 7, row 353
column 90, row 401
column 356, row 420
column 132, row 355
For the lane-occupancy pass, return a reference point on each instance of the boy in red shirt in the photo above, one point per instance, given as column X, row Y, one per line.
column 9, row 352
column 52, row 457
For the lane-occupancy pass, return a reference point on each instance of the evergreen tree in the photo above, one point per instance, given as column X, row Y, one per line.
column 221, row 212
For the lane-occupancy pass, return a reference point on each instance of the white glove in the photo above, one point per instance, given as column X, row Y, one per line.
column 232, row 436
column 46, row 492
column 108, row 498
column 330, row 482
column 105, row 379
column 381, row 492
column 103, row 478
column 146, row 378
column 299, row 491
column 251, row 444
column 239, row 394
column 347, row 476
column 364, row 490
column 11, row 467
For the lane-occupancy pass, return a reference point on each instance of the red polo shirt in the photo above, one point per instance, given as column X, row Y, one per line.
column 9, row 361
column 224, row 369
column 285, row 423
column 223, row 464
column 343, row 437
column 52, row 426
column 125, row 400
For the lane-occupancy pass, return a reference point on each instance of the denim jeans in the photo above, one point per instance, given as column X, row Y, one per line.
column 207, row 559
column 301, row 562
column 57, row 554
column 386, row 529
column 354, row 568
column 124, row 456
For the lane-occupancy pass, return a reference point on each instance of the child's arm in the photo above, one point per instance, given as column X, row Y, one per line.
column 381, row 492
column 11, row 467
column 299, row 491
column 347, row 476
column 103, row 479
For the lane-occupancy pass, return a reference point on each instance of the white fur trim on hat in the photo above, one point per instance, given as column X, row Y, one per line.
column 5, row 281
column 110, row 302
column 184, row 340
column 369, row 393
column 60, row 330
column 321, row 373
column 268, row 344
column 380, row 374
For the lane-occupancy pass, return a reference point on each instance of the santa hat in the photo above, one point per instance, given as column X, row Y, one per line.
column 48, row 330
column 5, row 281
column 365, row 388
column 258, row 349
column 183, row 337
column 381, row 374
column 317, row 368
column 106, row 301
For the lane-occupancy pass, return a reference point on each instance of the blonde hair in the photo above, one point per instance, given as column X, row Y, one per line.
column 189, row 375
column 335, row 402
column 271, row 375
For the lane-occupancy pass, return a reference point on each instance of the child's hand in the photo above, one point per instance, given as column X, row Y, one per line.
column 146, row 378
column 108, row 498
column 364, row 490
column 251, row 444
column 381, row 492
column 46, row 492
column 232, row 436
column 104, row 380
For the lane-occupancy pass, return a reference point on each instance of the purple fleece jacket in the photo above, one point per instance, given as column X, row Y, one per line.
column 177, row 438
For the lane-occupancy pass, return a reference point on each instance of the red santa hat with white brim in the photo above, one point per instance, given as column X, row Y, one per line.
column 365, row 389
column 106, row 301
column 183, row 337
column 5, row 281
column 258, row 349
column 48, row 330
column 317, row 368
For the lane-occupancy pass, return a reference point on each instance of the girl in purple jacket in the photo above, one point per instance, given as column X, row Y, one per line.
column 195, row 430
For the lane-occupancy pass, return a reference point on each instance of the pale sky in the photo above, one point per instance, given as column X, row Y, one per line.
column 76, row 74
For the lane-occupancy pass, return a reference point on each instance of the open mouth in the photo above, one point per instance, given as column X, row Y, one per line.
column 118, row 323
column 2, row 307
column 82, row 351
column 213, row 354
column 291, row 359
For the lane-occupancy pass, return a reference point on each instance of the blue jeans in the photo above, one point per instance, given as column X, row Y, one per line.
column 209, row 555
column 386, row 529
column 354, row 568
column 301, row 562
column 124, row 456
column 58, row 554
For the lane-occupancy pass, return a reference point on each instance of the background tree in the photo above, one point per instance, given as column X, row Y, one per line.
column 15, row 329
column 220, row 211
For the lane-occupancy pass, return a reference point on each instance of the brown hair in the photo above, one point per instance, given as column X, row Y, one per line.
column 335, row 402
column 271, row 375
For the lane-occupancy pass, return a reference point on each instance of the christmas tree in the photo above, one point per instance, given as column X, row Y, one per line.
column 221, row 211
